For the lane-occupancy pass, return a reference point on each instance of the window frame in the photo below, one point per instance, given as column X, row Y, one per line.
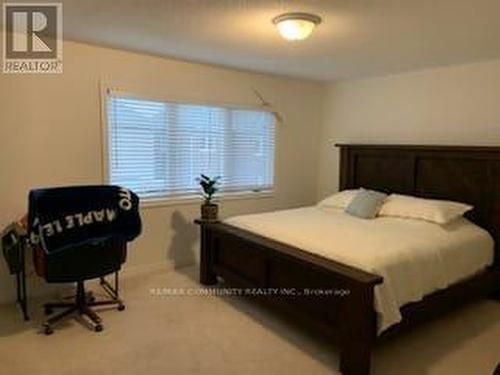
column 187, row 199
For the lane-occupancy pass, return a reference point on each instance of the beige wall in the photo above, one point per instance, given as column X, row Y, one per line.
column 50, row 134
column 449, row 105
column 50, row 129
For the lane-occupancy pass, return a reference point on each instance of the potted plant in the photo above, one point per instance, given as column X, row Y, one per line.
column 209, row 186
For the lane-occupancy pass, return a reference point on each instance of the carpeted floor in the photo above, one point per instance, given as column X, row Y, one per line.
column 229, row 335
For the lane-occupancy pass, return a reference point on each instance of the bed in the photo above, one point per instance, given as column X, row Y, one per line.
column 414, row 257
column 308, row 248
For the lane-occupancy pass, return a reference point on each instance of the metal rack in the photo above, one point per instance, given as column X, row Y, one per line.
column 22, row 295
column 14, row 246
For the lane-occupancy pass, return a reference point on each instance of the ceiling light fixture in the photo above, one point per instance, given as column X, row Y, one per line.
column 296, row 26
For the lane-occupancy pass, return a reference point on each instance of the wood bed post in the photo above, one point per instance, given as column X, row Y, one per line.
column 357, row 330
column 207, row 276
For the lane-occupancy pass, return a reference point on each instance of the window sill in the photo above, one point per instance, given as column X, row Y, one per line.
column 196, row 199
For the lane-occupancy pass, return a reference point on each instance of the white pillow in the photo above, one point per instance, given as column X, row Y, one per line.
column 339, row 200
column 434, row 210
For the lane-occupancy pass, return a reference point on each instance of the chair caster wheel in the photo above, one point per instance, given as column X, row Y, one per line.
column 48, row 330
column 48, row 311
column 98, row 328
column 121, row 307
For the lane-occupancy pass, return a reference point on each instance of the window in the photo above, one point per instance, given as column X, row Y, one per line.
column 158, row 148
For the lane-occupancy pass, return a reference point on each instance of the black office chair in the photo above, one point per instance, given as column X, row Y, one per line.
column 81, row 233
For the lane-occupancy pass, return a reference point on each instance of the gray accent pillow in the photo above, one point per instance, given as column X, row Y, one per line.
column 366, row 204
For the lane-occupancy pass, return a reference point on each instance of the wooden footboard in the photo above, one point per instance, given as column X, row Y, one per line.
column 323, row 292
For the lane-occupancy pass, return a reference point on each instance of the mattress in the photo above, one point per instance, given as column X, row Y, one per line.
column 415, row 257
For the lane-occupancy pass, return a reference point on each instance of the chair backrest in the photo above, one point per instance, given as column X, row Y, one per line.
column 64, row 217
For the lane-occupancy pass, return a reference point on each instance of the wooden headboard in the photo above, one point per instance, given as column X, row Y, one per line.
column 466, row 174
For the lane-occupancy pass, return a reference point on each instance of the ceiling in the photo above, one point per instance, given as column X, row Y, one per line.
column 357, row 38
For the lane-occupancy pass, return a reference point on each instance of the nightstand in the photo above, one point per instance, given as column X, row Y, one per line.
column 207, row 277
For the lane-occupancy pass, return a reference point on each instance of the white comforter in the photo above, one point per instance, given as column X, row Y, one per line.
column 414, row 257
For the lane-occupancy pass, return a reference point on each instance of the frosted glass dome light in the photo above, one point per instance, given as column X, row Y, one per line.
column 296, row 26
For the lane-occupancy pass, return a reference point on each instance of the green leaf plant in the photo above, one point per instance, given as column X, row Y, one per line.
column 209, row 187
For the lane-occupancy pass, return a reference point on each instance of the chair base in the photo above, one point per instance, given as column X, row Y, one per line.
column 82, row 306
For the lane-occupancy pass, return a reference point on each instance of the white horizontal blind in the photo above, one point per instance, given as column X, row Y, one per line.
column 158, row 149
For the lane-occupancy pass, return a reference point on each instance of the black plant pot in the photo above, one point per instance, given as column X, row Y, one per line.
column 209, row 212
